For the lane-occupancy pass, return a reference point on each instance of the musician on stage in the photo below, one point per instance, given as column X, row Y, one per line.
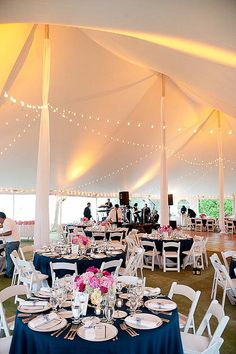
column 136, row 213
column 146, row 211
column 115, row 215
column 108, row 205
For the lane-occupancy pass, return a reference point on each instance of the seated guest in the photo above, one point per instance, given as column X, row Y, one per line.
column 87, row 211
column 9, row 234
column 115, row 215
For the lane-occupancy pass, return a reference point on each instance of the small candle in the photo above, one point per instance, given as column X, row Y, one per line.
column 98, row 311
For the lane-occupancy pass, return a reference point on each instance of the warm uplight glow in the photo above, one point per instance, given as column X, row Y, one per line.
column 81, row 165
column 194, row 48
column 148, row 176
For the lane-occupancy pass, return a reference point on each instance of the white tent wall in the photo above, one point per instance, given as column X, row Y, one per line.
column 115, row 77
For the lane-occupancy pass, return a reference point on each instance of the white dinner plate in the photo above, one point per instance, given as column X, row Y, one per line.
column 42, row 294
column 123, row 296
column 65, row 313
column 66, row 303
column 99, row 255
column 50, row 254
column 143, row 321
column 116, row 252
column 62, row 322
column 32, row 310
column 91, row 319
column 111, row 332
column 162, row 305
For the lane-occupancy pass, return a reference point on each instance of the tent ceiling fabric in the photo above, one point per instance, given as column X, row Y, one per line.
column 113, row 76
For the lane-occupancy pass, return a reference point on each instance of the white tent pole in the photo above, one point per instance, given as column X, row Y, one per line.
column 164, row 209
column 41, row 236
column 234, row 205
column 13, row 206
column 221, row 175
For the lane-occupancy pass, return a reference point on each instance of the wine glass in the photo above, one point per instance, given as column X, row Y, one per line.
column 54, row 301
column 119, row 287
column 76, row 310
column 109, row 311
column 133, row 303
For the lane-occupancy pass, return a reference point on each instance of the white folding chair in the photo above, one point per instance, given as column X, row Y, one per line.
column 5, row 294
column 26, row 249
column 198, row 225
column 186, row 321
column 112, row 264
column 2, row 259
column 29, row 276
column 150, row 253
column 210, row 225
column 167, row 255
column 116, row 236
column 98, row 236
column 230, row 228
column 135, row 262
column 225, row 255
column 194, row 255
column 5, row 344
column 62, row 266
column 16, row 272
column 225, row 282
column 197, row 343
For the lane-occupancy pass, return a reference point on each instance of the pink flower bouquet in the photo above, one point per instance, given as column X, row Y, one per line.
column 81, row 240
column 94, row 282
column 165, row 228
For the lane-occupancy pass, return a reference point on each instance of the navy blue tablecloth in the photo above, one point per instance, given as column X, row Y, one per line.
column 42, row 263
column 163, row 340
column 185, row 245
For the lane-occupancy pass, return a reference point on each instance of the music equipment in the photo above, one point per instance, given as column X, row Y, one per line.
column 170, row 199
column 124, row 198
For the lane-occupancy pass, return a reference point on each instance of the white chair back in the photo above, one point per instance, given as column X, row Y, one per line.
column 134, row 263
column 62, row 266
column 24, row 250
column 6, row 294
column 112, row 264
column 225, row 255
column 169, row 254
column 98, row 235
column 116, row 236
column 217, row 311
column 130, row 280
column 192, row 295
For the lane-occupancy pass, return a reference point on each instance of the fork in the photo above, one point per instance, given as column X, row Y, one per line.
column 73, row 332
column 68, row 333
column 126, row 329
column 130, row 329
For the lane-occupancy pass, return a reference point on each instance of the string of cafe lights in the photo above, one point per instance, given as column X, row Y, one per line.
column 65, row 112
column 21, row 133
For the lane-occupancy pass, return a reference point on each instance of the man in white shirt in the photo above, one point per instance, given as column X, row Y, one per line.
column 10, row 236
column 115, row 215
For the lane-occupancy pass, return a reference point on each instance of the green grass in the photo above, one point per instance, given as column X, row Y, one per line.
column 201, row 282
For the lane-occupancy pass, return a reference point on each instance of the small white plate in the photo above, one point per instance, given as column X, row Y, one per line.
column 99, row 255
column 163, row 305
column 93, row 319
column 123, row 296
column 65, row 314
column 119, row 314
column 115, row 252
column 111, row 332
column 42, row 294
column 31, row 310
column 60, row 325
column 153, row 321
column 66, row 303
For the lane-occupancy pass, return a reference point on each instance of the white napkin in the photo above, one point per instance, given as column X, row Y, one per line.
column 45, row 322
column 33, row 305
column 92, row 332
column 149, row 291
column 162, row 305
column 138, row 321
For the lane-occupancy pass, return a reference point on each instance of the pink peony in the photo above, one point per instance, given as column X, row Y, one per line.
column 75, row 240
column 94, row 282
column 103, row 289
column 105, row 273
column 93, row 269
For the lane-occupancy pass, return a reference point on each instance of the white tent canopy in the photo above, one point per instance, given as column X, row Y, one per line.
column 105, row 89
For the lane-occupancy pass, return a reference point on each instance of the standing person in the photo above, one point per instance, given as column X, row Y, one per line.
column 136, row 213
column 183, row 215
column 11, row 237
column 146, row 214
column 108, row 206
column 87, row 211
column 115, row 215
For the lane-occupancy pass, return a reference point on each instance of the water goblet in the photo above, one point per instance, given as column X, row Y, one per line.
column 76, row 310
column 54, row 301
column 133, row 303
column 109, row 311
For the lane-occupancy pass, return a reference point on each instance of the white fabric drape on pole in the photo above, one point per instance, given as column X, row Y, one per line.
column 164, row 209
column 234, row 205
column 221, row 175
column 41, row 236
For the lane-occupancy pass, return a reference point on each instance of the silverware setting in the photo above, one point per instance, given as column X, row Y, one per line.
column 128, row 329
column 28, row 319
column 72, row 332
column 60, row 331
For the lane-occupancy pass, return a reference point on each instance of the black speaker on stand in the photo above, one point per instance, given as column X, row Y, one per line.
column 124, row 198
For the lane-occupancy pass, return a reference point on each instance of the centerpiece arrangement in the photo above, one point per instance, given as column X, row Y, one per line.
column 96, row 283
column 80, row 241
column 105, row 225
column 165, row 230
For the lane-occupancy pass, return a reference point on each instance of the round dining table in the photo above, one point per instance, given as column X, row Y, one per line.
column 42, row 263
column 185, row 244
column 164, row 339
